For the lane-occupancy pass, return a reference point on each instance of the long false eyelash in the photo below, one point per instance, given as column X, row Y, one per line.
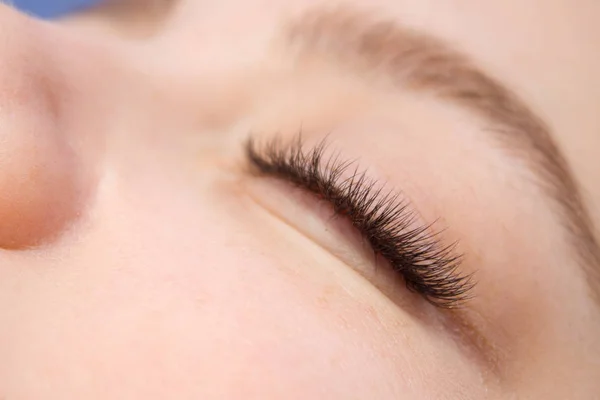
column 383, row 218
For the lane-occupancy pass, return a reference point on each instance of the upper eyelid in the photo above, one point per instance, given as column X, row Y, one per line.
column 427, row 266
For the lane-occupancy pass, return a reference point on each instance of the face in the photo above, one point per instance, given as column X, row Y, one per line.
column 393, row 230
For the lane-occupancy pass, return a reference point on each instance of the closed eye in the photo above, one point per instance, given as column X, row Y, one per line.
column 382, row 217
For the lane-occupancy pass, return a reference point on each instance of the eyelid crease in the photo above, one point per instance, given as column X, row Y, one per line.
column 380, row 215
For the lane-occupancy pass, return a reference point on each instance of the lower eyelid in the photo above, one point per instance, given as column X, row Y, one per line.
column 314, row 219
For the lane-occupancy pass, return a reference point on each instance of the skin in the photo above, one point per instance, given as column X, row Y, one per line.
column 140, row 260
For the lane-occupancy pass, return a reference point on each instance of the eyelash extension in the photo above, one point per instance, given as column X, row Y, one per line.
column 384, row 220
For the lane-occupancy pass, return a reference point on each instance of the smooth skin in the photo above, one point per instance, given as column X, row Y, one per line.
column 140, row 260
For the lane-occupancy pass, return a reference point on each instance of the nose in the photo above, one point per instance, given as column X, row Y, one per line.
column 41, row 186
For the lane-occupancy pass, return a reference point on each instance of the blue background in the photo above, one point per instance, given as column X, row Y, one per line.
column 51, row 8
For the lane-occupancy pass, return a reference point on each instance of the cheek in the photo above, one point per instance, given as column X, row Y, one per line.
column 218, row 337
column 211, row 313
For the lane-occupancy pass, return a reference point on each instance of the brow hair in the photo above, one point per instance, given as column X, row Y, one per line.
column 417, row 61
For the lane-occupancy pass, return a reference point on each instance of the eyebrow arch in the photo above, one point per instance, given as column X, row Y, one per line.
column 417, row 61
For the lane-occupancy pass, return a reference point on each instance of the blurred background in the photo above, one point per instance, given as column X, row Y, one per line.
column 50, row 8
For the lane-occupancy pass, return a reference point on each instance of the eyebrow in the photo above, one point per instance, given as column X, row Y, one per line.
column 417, row 61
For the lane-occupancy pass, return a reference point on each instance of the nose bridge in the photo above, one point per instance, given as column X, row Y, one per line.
column 210, row 63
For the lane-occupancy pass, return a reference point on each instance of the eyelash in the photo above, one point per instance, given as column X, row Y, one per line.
column 384, row 220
